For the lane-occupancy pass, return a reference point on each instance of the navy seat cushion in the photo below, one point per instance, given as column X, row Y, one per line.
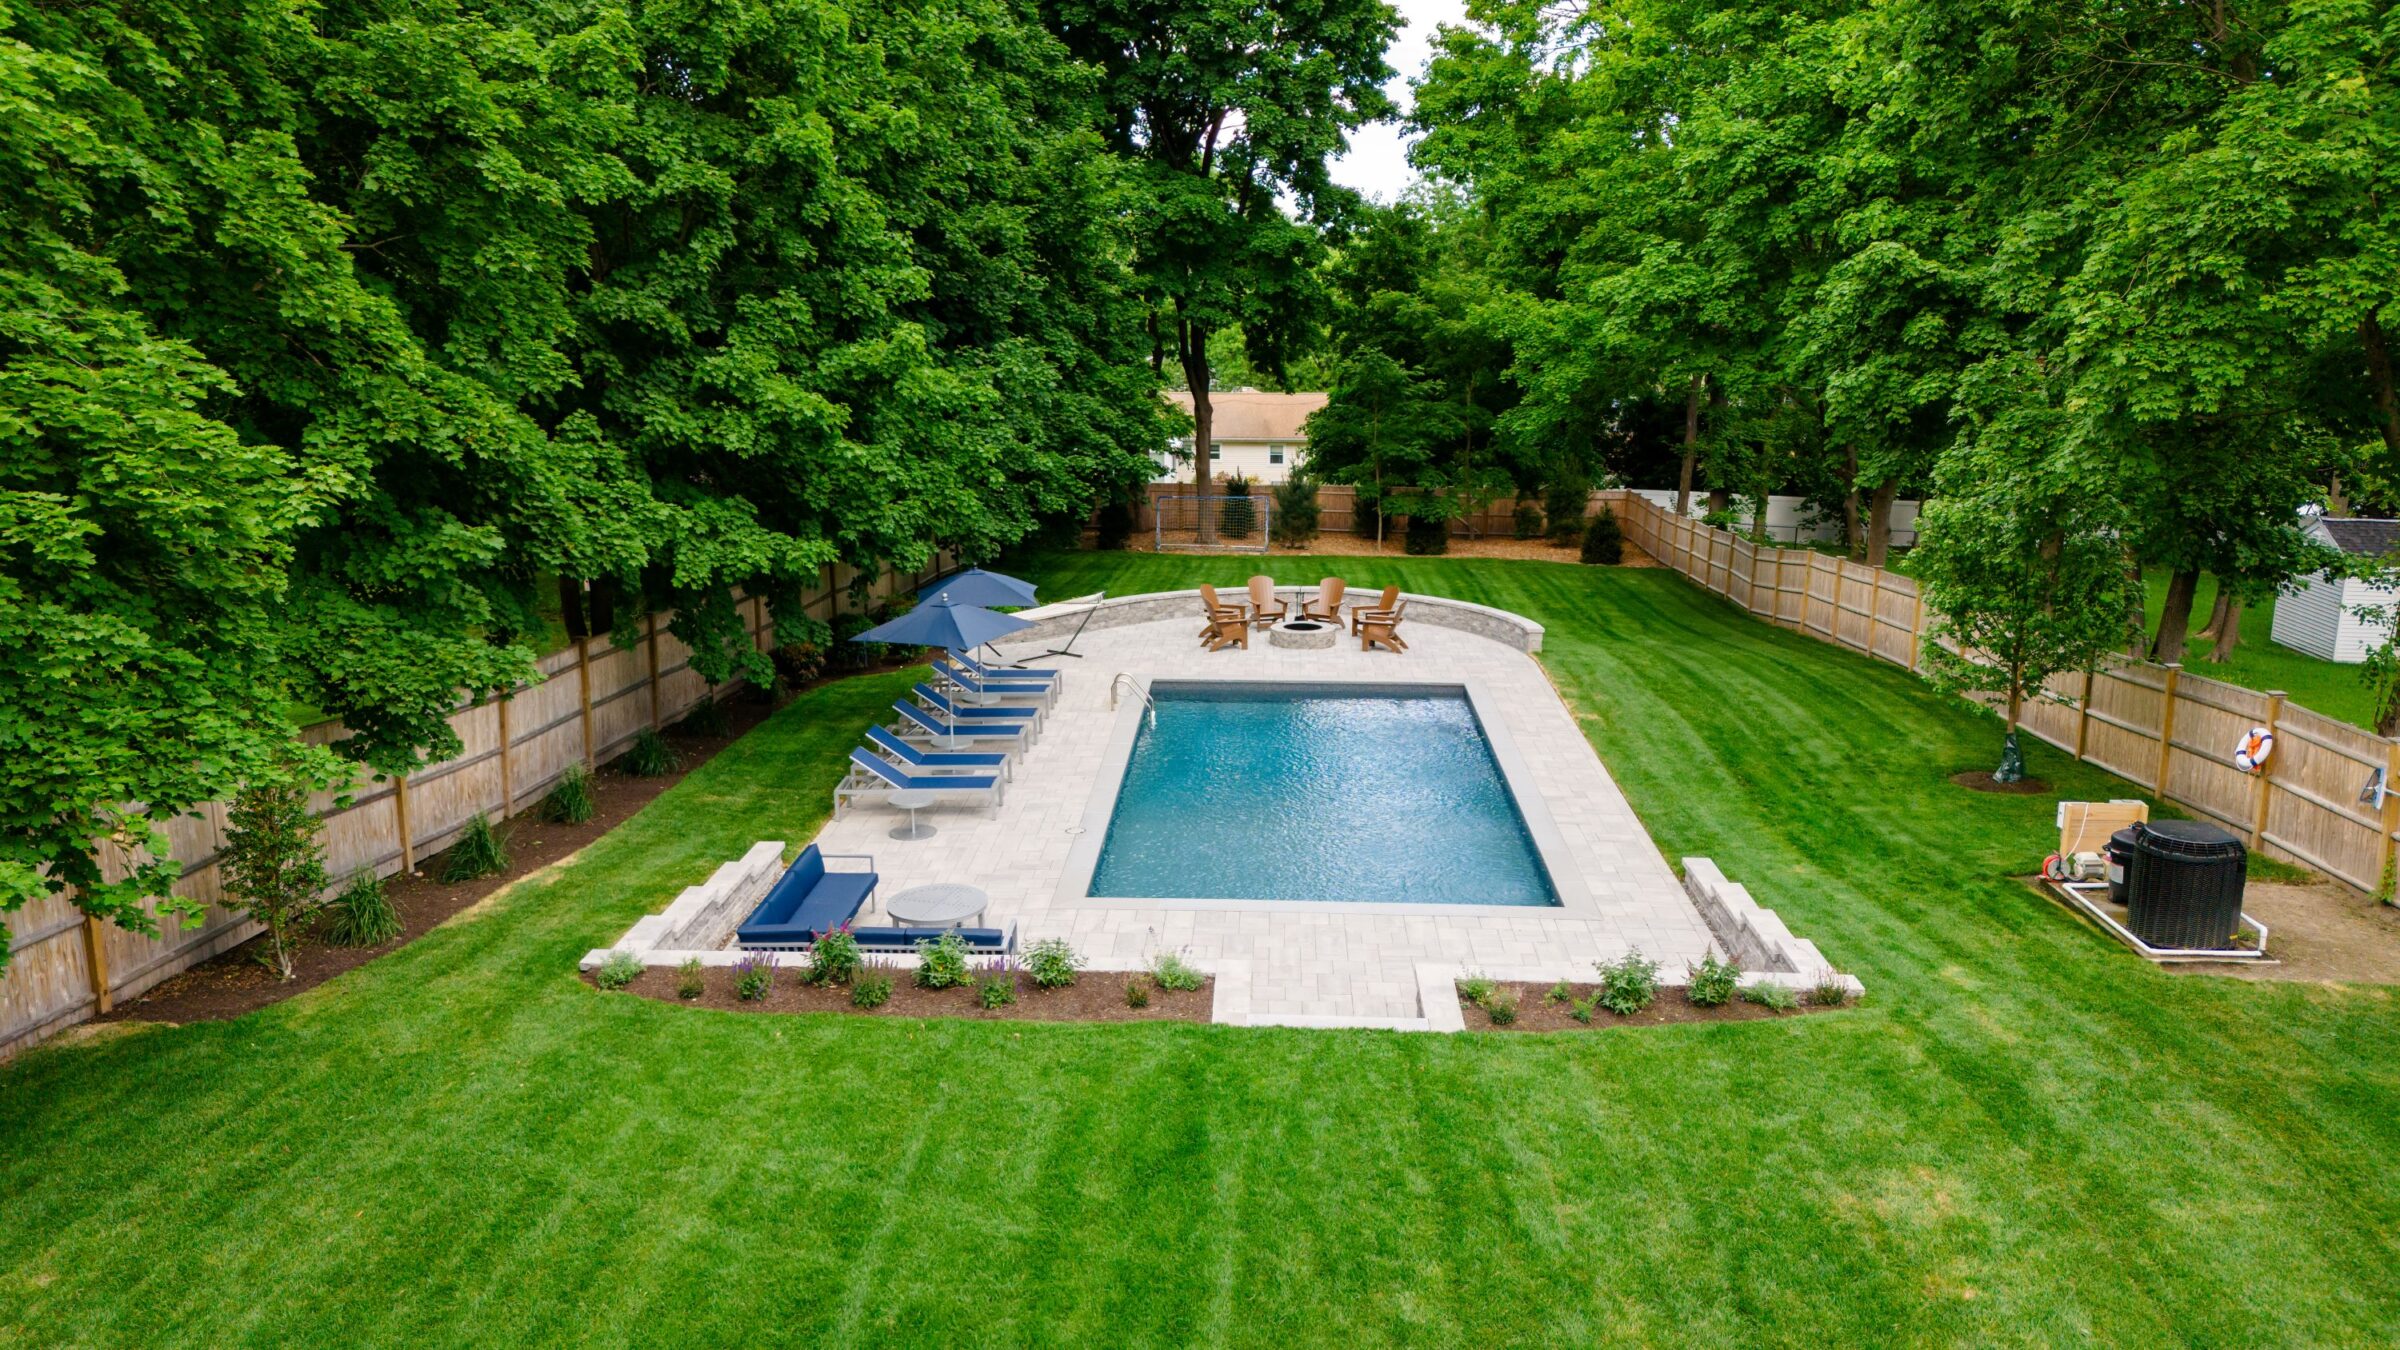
column 908, row 938
column 806, row 900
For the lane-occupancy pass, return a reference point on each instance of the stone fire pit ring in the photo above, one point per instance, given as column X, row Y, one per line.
column 1307, row 634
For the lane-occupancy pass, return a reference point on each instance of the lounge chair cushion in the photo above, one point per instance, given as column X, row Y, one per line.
column 906, row 939
column 806, row 901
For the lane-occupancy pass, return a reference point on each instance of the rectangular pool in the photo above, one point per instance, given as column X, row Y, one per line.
column 1327, row 792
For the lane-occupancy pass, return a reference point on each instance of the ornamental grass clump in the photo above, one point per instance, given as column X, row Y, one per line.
column 1628, row 983
column 1713, row 982
column 942, row 962
column 707, row 718
column 690, row 982
column 651, row 756
column 570, row 800
column 1172, row 972
column 478, row 852
column 872, row 988
column 1501, row 1008
column 617, row 971
column 1830, row 991
column 754, row 976
column 1137, row 994
column 1773, row 997
column 1052, row 963
column 362, row 915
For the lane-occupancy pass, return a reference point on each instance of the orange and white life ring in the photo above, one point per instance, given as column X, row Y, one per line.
column 2251, row 755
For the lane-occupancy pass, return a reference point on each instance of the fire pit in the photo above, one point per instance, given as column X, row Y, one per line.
column 1304, row 633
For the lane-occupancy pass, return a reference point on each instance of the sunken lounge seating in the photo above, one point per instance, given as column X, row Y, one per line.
column 903, row 941
column 807, row 900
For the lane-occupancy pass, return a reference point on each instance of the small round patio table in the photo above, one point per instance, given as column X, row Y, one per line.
column 912, row 800
column 941, row 905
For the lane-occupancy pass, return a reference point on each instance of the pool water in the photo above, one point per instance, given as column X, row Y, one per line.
column 1317, row 792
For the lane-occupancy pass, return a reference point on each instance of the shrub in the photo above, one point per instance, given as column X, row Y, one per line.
column 478, row 853
column 834, row 957
column 1559, row 993
column 1113, row 529
column 651, row 756
column 570, row 800
column 1526, row 521
column 1052, row 963
column 1294, row 519
column 1477, row 989
column 997, row 986
column 942, row 962
column 1628, row 983
column 707, row 717
column 798, row 663
column 754, row 976
column 617, row 971
column 274, row 868
column 1501, row 1007
column 1366, row 519
column 1581, row 1009
column 1237, row 515
column 1137, row 994
column 1721, row 518
column 1563, row 505
column 1427, row 535
column 1173, row 972
column 1828, row 992
column 690, row 981
column 1604, row 540
column 362, row 915
column 872, row 988
column 846, row 654
column 1775, row 996
column 1713, row 982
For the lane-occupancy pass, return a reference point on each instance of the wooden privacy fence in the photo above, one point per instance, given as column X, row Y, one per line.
column 1337, row 505
column 593, row 699
column 2170, row 732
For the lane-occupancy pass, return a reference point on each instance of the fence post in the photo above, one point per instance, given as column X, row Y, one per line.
column 2390, row 819
column 2258, row 805
column 2166, row 723
column 583, row 680
column 2083, row 717
column 656, row 719
column 95, row 947
column 408, row 844
column 508, row 796
column 1916, row 636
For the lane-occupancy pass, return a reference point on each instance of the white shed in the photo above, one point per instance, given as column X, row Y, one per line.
column 2320, row 617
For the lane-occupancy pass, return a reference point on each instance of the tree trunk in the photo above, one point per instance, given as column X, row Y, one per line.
column 1691, row 443
column 2216, row 611
column 2175, row 621
column 1191, row 348
column 1718, row 499
column 1879, row 521
column 2379, row 371
column 2229, row 632
column 1853, row 534
column 2337, row 502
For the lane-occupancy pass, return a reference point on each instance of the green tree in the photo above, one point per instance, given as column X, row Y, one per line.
column 274, row 868
column 1228, row 110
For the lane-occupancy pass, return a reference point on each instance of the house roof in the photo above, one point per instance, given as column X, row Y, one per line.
column 2368, row 538
column 1248, row 415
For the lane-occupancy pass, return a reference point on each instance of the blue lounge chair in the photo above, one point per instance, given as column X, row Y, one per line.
column 941, row 705
column 945, row 730
column 1009, row 672
column 871, row 776
column 983, row 693
column 938, row 761
column 807, row 900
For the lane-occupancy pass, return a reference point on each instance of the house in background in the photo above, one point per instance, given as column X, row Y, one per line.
column 2320, row 617
column 1261, row 436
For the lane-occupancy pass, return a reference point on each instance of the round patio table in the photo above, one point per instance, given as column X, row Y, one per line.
column 912, row 800
column 941, row 905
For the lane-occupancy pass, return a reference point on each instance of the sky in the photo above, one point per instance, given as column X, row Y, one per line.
column 1377, row 163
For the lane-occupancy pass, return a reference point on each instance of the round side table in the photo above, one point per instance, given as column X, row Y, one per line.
column 912, row 800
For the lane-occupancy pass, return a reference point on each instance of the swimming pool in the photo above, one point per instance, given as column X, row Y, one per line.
column 1317, row 792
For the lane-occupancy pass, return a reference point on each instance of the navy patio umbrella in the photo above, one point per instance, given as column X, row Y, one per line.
column 944, row 622
column 978, row 587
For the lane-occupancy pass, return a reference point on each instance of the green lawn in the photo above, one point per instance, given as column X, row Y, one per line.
column 2024, row 1136
column 2318, row 685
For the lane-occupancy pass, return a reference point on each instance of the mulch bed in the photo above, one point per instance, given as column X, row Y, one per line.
column 1982, row 781
column 1535, row 1014
column 1096, row 996
column 233, row 982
